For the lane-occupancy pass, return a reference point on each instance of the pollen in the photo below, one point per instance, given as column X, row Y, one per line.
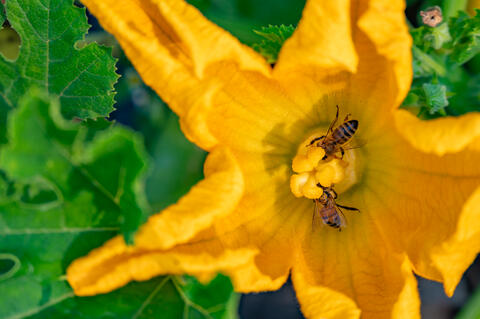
column 311, row 169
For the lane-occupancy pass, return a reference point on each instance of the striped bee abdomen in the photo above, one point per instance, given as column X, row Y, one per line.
column 330, row 217
column 345, row 131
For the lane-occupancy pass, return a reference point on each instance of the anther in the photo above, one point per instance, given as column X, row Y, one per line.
column 311, row 169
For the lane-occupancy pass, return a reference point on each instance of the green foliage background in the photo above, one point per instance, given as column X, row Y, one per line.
column 75, row 172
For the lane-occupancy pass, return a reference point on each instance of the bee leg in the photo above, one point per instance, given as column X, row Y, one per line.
column 315, row 139
column 349, row 208
column 346, row 117
column 336, row 195
column 321, row 186
column 342, row 151
column 331, row 125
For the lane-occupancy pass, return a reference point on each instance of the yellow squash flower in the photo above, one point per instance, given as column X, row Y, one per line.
column 414, row 182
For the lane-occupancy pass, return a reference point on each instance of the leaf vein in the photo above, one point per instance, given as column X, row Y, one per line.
column 78, row 75
column 40, row 308
column 150, row 297
column 38, row 231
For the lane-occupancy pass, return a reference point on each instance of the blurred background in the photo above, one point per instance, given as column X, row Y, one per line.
column 176, row 164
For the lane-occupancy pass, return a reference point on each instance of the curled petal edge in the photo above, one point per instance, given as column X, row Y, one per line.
column 456, row 254
column 439, row 136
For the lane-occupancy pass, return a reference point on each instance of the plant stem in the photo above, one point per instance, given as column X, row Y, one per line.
column 429, row 61
column 451, row 7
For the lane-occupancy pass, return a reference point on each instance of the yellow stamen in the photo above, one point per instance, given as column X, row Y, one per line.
column 311, row 170
column 314, row 155
column 301, row 164
column 310, row 188
column 296, row 183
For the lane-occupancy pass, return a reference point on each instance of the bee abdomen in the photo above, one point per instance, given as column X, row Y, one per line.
column 345, row 131
column 330, row 217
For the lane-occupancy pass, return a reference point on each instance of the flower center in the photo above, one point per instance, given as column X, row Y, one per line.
column 312, row 167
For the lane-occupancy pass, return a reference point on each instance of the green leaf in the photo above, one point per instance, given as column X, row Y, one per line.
column 66, row 191
column 426, row 37
column 75, row 185
column 163, row 297
column 467, row 95
column 429, row 98
column 436, row 97
column 438, row 36
column 82, row 79
column 274, row 37
column 2, row 14
column 76, row 161
column 206, row 301
column 442, row 85
column 466, row 37
column 177, row 165
column 471, row 310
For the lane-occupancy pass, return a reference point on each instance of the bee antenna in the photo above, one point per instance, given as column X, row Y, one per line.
column 320, row 185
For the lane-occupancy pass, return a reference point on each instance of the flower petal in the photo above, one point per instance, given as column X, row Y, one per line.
column 253, row 244
column 214, row 197
column 115, row 264
column 254, row 254
column 457, row 253
column 248, row 110
column 337, row 274
column 321, row 302
column 383, row 73
column 417, row 200
column 173, row 47
column 271, row 226
column 384, row 23
column 439, row 136
column 322, row 40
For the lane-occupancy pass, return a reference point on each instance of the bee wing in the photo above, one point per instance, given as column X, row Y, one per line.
column 354, row 143
column 343, row 219
column 316, row 215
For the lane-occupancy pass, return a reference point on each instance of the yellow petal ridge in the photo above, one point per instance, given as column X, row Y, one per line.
column 384, row 23
column 214, row 197
column 332, row 51
column 115, row 264
column 351, row 273
column 439, row 136
column 323, row 302
column 416, row 198
column 174, row 48
column 225, row 96
column 457, row 253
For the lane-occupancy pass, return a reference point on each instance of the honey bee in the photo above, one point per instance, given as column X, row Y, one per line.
column 335, row 139
column 329, row 211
